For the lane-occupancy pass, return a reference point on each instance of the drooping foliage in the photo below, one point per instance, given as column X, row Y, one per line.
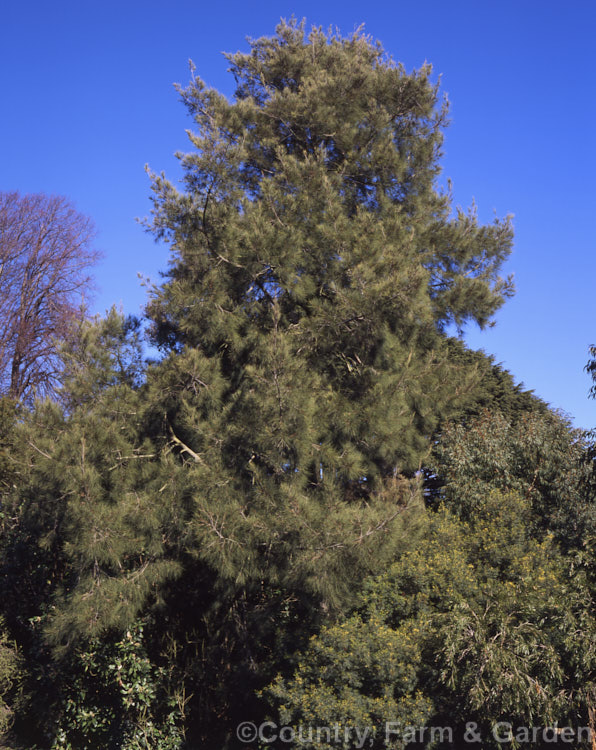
column 315, row 267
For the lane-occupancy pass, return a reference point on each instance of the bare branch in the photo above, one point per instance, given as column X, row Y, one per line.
column 45, row 256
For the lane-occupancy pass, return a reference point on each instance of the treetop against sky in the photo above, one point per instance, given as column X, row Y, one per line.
column 89, row 101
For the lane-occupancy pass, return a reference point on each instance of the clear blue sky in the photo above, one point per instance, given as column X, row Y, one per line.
column 87, row 100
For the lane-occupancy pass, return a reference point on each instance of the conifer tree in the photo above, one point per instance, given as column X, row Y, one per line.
column 316, row 266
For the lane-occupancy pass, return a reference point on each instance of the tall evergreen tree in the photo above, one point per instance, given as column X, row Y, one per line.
column 315, row 268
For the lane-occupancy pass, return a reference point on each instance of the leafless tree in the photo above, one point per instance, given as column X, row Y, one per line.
column 45, row 256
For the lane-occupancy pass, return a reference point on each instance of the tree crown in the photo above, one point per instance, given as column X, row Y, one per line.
column 45, row 255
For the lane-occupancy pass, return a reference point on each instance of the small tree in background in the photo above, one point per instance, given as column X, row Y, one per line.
column 45, row 255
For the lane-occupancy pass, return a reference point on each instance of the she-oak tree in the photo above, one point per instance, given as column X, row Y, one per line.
column 315, row 269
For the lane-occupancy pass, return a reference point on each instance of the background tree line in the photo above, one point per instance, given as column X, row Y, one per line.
column 316, row 506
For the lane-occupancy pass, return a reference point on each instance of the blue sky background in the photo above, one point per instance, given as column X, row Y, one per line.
column 87, row 100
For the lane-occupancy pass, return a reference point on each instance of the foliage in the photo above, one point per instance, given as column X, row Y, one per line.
column 590, row 368
column 76, row 515
column 45, row 256
column 7, row 422
column 358, row 674
column 538, row 456
column 498, row 391
column 103, row 353
column 115, row 700
column 9, row 678
column 477, row 630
